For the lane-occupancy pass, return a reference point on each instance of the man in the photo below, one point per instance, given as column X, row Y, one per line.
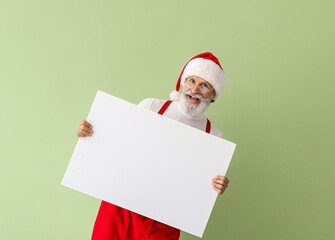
column 203, row 80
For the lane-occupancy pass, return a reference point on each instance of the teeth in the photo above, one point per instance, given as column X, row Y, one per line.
column 192, row 97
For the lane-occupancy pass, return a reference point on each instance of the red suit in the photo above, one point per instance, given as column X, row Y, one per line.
column 116, row 223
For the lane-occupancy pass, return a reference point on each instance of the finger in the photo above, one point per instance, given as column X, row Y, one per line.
column 217, row 185
column 222, row 177
column 87, row 124
column 222, row 181
column 218, row 190
column 81, row 135
column 84, row 132
column 225, row 181
column 221, row 186
column 85, row 129
column 219, row 181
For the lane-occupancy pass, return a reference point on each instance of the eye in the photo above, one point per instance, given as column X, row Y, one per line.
column 204, row 85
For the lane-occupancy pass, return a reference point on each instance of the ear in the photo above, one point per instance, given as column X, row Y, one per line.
column 213, row 96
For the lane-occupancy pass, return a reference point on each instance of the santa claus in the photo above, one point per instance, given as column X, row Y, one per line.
column 203, row 80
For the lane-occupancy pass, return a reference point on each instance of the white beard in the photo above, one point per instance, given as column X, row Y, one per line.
column 192, row 109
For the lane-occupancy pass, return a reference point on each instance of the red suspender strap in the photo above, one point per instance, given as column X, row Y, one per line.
column 208, row 126
column 165, row 106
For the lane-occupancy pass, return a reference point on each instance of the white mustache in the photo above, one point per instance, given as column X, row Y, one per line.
column 196, row 95
column 193, row 109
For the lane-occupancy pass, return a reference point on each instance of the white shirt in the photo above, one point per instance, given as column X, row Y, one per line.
column 174, row 112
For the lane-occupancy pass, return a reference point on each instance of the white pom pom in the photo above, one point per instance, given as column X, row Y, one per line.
column 175, row 95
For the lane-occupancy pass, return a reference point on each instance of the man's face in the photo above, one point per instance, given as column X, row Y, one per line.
column 196, row 96
column 197, row 85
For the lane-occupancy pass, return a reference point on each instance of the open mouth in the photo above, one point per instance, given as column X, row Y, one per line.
column 193, row 99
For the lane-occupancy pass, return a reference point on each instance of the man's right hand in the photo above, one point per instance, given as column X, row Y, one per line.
column 84, row 129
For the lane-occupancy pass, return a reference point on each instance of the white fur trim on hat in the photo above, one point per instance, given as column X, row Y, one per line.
column 174, row 95
column 207, row 70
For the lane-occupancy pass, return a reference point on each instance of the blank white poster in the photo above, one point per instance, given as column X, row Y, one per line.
column 149, row 164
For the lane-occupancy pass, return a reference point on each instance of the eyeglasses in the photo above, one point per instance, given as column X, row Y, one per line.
column 203, row 87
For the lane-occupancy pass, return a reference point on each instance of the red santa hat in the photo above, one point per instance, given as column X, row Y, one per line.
column 205, row 66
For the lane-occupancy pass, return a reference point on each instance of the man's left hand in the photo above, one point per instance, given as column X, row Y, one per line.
column 220, row 183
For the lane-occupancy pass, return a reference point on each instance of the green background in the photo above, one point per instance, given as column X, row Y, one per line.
column 277, row 106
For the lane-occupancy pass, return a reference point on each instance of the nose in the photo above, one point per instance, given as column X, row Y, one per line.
column 195, row 89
